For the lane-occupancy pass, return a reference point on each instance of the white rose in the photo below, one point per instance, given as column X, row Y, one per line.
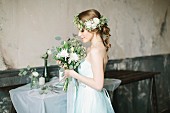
column 35, row 74
column 96, row 20
column 88, row 24
column 94, row 26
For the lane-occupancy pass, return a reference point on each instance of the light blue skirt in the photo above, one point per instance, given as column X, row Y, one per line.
column 89, row 100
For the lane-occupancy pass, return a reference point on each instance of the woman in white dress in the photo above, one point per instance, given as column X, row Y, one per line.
column 91, row 96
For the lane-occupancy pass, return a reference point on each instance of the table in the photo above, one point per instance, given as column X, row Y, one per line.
column 129, row 76
column 30, row 101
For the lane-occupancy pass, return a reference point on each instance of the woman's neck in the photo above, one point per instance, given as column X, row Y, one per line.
column 96, row 39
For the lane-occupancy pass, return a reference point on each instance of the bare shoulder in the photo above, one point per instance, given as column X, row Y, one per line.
column 97, row 53
column 97, row 50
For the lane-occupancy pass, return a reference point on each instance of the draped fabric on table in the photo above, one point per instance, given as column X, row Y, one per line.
column 30, row 101
column 109, row 84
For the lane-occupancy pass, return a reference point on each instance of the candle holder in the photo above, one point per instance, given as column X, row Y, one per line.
column 41, row 81
column 61, row 74
column 34, row 83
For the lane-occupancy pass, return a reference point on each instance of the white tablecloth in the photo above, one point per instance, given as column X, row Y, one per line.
column 30, row 101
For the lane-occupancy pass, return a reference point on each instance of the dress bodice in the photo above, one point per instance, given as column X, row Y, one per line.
column 85, row 69
column 84, row 99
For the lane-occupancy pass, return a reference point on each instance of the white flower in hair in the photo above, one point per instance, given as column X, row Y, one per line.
column 96, row 20
column 94, row 26
column 88, row 24
column 79, row 26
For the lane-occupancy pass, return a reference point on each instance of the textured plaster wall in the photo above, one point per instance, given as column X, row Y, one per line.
column 28, row 27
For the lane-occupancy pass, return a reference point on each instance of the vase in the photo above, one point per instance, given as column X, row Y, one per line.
column 34, row 84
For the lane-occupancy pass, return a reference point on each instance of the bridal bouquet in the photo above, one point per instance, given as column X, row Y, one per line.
column 70, row 53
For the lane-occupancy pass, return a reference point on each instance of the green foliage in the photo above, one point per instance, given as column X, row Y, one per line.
column 58, row 38
column 90, row 24
column 26, row 71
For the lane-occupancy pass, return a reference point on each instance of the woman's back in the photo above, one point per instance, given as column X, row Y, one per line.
column 98, row 47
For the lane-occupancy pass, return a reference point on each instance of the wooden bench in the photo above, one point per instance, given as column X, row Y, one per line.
column 128, row 77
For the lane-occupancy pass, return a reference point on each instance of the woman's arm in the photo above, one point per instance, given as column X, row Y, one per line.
column 96, row 60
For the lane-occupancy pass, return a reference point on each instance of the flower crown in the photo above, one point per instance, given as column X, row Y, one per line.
column 91, row 24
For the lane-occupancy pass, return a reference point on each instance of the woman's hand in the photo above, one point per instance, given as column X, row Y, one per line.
column 69, row 73
column 58, row 62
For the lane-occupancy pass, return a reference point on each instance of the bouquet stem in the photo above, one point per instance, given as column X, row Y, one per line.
column 66, row 84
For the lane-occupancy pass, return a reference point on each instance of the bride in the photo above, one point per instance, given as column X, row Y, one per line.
column 91, row 97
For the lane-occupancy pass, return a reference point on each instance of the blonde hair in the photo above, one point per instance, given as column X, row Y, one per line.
column 104, row 30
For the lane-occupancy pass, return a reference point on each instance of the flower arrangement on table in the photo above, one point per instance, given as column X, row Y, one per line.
column 35, row 79
column 33, row 75
column 70, row 53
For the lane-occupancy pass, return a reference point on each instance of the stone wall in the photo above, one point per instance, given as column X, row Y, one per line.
column 28, row 27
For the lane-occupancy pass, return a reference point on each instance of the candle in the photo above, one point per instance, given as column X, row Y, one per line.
column 61, row 75
column 41, row 81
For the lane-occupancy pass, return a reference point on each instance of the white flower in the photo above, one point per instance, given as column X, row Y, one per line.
column 73, row 57
column 88, row 24
column 49, row 52
column 64, row 42
column 96, row 20
column 79, row 26
column 94, row 26
column 63, row 53
column 35, row 74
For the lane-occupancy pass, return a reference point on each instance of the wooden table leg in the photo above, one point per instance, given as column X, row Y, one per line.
column 13, row 109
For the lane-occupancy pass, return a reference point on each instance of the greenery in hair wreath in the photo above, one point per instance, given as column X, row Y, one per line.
column 90, row 24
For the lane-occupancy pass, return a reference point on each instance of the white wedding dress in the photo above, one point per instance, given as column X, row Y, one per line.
column 85, row 99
